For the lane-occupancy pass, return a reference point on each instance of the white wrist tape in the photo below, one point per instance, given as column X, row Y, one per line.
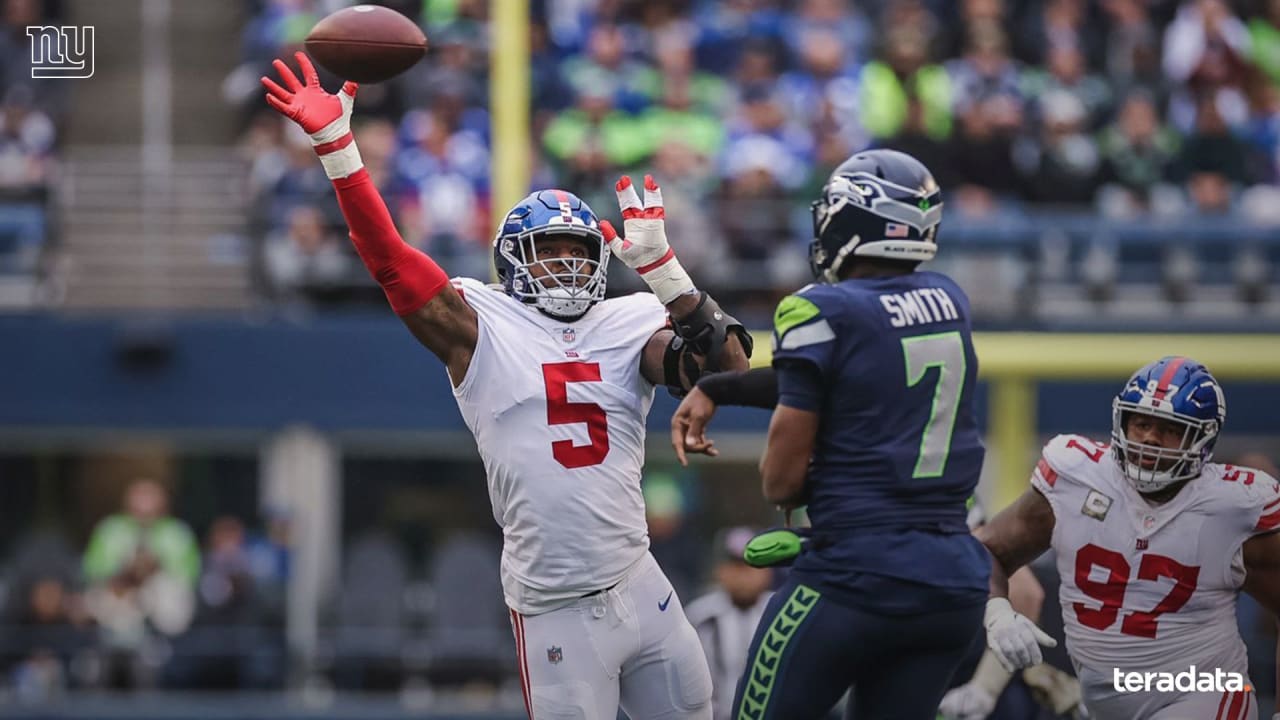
column 342, row 162
column 668, row 280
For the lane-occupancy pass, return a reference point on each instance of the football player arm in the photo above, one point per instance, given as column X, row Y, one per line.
column 1262, row 570
column 793, row 432
column 700, row 341
column 1016, row 536
column 418, row 290
column 785, row 463
column 757, row 387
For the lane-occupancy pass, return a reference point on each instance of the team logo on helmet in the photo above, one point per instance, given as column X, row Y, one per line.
column 564, row 287
column 1177, row 392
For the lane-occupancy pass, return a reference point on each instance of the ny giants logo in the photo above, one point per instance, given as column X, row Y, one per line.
column 65, row 52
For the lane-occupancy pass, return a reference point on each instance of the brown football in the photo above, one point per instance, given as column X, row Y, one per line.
column 366, row 43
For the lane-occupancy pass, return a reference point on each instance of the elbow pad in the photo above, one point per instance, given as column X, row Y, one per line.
column 703, row 333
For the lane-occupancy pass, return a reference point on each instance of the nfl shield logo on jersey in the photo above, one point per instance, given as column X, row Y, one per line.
column 554, row 655
column 568, row 335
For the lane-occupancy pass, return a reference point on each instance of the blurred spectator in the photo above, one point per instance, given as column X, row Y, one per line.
column 236, row 640
column 606, row 63
column 842, row 19
column 1133, row 45
column 761, row 114
column 916, row 141
column 142, row 566
column 1263, row 131
column 26, row 144
column 457, row 60
column 440, row 174
column 672, row 538
column 726, row 618
column 982, row 157
column 754, row 212
column 269, row 553
column 1067, row 73
column 675, row 63
column 1137, row 153
column 757, row 66
column 824, row 70
column 1053, row 25
column 1206, row 49
column 306, row 260
column 1264, row 32
column 377, row 141
column 1063, row 165
column 52, row 635
column 590, row 141
column 678, row 120
column 1213, row 161
column 986, row 72
column 728, row 27
column 887, row 87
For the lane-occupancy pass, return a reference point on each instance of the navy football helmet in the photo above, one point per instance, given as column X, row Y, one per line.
column 879, row 203
column 567, row 287
column 1179, row 390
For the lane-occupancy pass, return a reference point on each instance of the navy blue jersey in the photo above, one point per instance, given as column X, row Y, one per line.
column 898, row 451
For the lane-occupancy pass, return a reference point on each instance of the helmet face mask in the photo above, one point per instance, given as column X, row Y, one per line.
column 1174, row 393
column 878, row 204
column 562, row 287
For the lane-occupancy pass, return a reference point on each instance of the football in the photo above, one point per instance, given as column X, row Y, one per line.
column 366, row 43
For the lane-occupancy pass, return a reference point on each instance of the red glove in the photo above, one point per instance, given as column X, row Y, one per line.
column 323, row 116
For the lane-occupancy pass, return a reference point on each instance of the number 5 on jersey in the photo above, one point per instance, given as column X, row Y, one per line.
column 556, row 377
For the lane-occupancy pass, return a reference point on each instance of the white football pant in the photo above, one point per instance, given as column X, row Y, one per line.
column 630, row 645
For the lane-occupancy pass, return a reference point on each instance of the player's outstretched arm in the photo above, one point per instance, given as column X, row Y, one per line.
column 705, row 337
column 1014, row 538
column 757, row 387
column 418, row 290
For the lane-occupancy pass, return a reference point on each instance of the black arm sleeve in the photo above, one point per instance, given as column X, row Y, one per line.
column 753, row 388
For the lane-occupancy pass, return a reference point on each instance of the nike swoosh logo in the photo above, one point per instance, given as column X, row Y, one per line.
column 662, row 606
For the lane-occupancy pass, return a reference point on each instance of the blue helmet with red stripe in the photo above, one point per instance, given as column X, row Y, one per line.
column 1181, row 392
column 562, row 287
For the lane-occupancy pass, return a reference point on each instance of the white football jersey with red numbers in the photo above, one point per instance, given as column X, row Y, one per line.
column 1151, row 588
column 558, row 411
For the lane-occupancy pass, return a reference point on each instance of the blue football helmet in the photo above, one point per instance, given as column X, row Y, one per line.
column 1179, row 390
column 879, row 203
column 566, row 287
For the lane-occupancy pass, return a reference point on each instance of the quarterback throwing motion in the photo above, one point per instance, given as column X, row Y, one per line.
column 555, row 382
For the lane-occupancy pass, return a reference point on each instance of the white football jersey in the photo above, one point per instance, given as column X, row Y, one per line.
column 1151, row 587
column 558, row 410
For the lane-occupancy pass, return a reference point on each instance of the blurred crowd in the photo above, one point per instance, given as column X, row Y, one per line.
column 29, row 114
column 146, row 604
column 154, row 599
column 1121, row 108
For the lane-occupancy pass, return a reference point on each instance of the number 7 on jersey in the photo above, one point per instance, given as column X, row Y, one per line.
column 944, row 351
